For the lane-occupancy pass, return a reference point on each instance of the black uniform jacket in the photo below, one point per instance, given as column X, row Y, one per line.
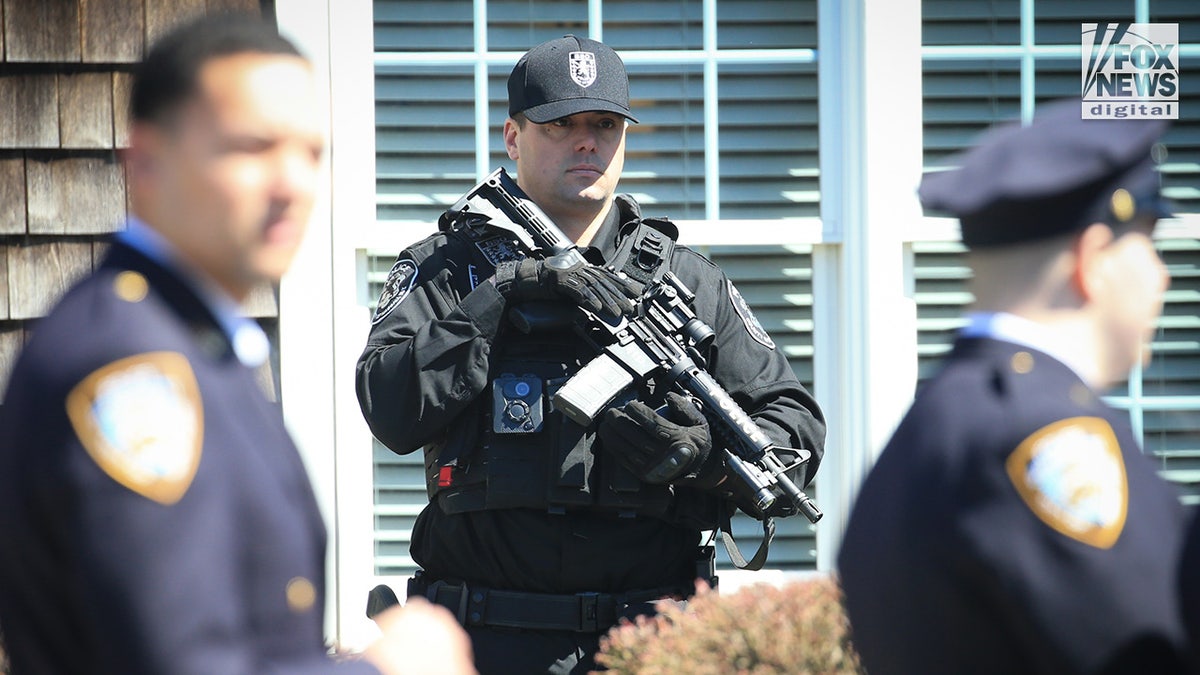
column 155, row 516
column 427, row 358
column 1012, row 525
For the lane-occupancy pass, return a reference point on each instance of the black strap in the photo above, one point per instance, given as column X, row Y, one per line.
column 735, row 556
column 580, row 612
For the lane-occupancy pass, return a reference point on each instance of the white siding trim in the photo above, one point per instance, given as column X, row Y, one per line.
column 320, row 337
column 865, row 344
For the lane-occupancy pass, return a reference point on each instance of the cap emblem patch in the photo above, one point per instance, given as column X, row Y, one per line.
column 141, row 420
column 1071, row 474
column 583, row 68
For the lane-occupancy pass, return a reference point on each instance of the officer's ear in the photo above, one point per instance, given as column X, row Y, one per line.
column 1091, row 251
column 511, row 129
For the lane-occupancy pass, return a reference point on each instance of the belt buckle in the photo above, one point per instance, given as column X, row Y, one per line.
column 589, row 620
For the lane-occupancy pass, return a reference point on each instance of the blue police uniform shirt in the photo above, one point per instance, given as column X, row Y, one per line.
column 155, row 515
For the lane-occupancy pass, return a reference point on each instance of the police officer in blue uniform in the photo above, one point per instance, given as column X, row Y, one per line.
column 155, row 516
column 540, row 535
column 1012, row 523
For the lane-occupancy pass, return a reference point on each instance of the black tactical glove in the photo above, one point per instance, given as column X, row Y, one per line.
column 593, row 288
column 662, row 449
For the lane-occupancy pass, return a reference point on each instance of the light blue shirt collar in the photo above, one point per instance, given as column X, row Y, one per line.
column 250, row 343
column 1021, row 331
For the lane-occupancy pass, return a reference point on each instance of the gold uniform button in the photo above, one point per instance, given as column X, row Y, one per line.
column 1022, row 362
column 1123, row 205
column 130, row 286
column 300, row 595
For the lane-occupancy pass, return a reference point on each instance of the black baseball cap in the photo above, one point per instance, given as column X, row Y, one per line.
column 566, row 76
column 1056, row 175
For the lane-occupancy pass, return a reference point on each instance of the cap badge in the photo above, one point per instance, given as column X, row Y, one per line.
column 583, row 68
column 1122, row 205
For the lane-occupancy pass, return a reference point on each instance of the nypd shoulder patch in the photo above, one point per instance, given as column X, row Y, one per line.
column 1071, row 474
column 753, row 327
column 399, row 284
column 141, row 420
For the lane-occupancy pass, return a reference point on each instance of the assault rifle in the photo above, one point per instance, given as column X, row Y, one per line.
column 663, row 341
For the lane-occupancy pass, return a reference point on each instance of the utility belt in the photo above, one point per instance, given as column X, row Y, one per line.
column 578, row 612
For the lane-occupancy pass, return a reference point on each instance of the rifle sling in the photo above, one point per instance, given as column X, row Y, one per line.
column 735, row 556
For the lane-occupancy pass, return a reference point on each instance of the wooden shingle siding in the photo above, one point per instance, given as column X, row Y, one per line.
column 11, row 338
column 41, row 31
column 85, row 110
column 40, row 270
column 3, row 298
column 12, row 195
column 121, row 83
column 112, row 31
column 64, row 94
column 162, row 14
column 74, row 194
column 28, row 109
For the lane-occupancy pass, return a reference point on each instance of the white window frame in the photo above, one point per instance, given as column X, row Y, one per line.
column 865, row 330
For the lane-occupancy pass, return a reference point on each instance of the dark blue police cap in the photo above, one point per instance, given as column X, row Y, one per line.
column 1057, row 175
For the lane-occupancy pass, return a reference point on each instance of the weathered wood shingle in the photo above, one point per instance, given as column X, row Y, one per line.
column 85, row 110
column 41, row 270
column 12, row 193
column 41, row 31
column 75, row 193
column 11, row 338
column 162, row 14
column 112, row 31
column 28, row 109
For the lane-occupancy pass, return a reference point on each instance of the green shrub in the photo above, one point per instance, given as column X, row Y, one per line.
column 761, row 629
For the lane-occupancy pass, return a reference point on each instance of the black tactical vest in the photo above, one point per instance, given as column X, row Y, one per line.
column 511, row 449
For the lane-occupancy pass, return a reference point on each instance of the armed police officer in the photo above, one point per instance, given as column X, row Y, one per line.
column 541, row 532
column 1012, row 523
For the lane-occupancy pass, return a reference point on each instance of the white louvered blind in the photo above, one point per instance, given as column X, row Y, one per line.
column 427, row 145
column 962, row 96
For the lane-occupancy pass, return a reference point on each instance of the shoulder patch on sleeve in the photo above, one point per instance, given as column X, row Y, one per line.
column 753, row 327
column 399, row 284
column 142, row 421
column 1071, row 474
